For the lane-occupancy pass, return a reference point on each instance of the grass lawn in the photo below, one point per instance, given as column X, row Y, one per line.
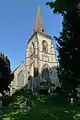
column 53, row 108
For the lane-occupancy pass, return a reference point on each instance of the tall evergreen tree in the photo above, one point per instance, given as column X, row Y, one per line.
column 5, row 73
column 68, row 42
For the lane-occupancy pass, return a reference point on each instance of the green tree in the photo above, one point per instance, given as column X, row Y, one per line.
column 68, row 43
column 5, row 74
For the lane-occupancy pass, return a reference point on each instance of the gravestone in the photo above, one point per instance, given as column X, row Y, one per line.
column 72, row 101
column 0, row 103
column 32, row 102
column 0, row 100
column 28, row 108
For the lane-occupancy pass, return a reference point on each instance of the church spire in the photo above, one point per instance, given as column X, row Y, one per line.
column 38, row 25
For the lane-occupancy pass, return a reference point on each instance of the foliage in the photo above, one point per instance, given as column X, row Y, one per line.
column 68, row 43
column 61, row 6
column 46, row 107
column 43, row 92
column 78, row 94
column 6, row 100
column 5, row 73
column 41, row 98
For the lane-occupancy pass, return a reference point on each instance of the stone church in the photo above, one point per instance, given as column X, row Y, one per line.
column 40, row 59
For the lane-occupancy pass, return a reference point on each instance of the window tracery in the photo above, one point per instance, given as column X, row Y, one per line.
column 31, row 50
column 20, row 79
column 45, row 72
column 33, row 47
column 44, row 46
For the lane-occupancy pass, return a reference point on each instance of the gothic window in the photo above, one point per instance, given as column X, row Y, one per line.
column 30, row 50
column 45, row 66
column 44, row 46
column 21, row 79
column 31, row 54
column 33, row 47
column 45, row 72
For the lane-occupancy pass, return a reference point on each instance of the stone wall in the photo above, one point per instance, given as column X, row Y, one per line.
column 20, row 74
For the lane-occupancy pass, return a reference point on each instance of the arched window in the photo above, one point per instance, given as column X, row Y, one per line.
column 44, row 46
column 45, row 66
column 30, row 50
column 45, row 72
column 20, row 79
column 33, row 47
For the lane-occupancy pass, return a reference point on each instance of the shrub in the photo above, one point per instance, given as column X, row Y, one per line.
column 6, row 100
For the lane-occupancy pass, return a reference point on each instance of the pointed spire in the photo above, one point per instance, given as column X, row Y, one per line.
column 38, row 25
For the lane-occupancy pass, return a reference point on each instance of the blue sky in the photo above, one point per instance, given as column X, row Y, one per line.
column 17, row 18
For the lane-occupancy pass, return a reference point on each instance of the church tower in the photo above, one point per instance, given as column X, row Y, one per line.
column 40, row 59
column 40, row 52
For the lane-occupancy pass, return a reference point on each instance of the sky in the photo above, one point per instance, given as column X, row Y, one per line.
column 17, row 19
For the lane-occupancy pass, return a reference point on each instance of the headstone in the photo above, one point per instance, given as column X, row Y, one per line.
column 72, row 101
column 32, row 87
column 51, row 94
column 28, row 108
column 49, row 91
column 35, row 93
column 0, row 100
column 26, row 99
column 32, row 102
column 0, row 103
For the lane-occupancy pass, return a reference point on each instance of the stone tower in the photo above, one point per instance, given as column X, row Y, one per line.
column 40, row 50
column 40, row 59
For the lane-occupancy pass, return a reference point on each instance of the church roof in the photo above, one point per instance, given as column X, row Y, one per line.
column 38, row 24
column 18, row 66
